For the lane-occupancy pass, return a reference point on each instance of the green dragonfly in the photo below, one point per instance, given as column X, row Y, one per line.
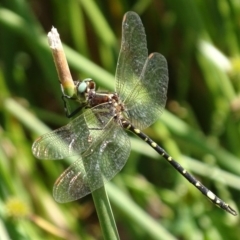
column 98, row 135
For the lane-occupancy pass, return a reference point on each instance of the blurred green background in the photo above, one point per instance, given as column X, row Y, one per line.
column 200, row 127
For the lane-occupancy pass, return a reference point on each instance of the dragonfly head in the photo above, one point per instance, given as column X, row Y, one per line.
column 83, row 88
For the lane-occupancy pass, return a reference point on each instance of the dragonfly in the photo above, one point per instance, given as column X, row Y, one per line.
column 98, row 135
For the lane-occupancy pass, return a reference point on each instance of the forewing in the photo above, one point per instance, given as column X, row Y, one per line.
column 132, row 56
column 68, row 140
column 96, row 166
column 148, row 98
column 73, row 138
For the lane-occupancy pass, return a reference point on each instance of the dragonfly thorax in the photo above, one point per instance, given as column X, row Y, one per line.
column 86, row 92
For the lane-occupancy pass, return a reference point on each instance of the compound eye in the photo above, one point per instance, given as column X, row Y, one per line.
column 82, row 87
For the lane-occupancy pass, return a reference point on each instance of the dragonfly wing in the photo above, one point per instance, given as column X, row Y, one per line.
column 72, row 183
column 96, row 166
column 132, row 56
column 147, row 100
column 69, row 140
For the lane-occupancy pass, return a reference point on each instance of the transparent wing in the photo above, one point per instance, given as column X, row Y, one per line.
column 141, row 81
column 95, row 167
column 147, row 100
column 75, row 137
column 132, row 56
column 68, row 140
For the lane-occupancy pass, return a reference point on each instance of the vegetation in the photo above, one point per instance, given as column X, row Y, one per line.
column 200, row 127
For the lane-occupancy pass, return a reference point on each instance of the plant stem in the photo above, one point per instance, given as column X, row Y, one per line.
column 105, row 214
